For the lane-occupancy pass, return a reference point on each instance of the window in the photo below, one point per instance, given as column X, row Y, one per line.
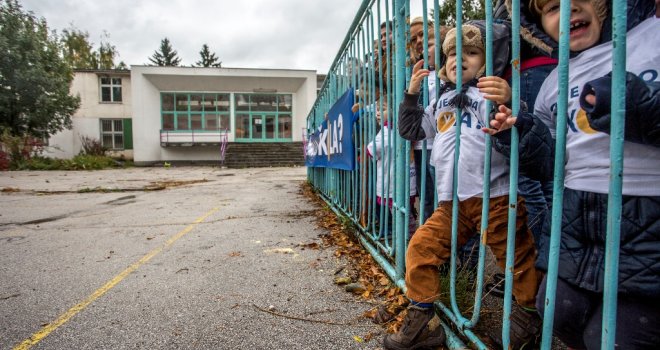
column 182, row 111
column 112, row 133
column 110, row 89
column 263, row 117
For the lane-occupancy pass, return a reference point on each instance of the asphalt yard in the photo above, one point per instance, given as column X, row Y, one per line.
column 169, row 258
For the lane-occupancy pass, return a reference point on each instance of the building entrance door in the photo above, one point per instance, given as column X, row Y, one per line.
column 258, row 127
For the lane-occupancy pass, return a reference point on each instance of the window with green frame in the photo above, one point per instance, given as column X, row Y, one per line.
column 275, row 108
column 199, row 111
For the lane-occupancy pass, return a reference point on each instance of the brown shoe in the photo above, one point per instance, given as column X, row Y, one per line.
column 525, row 329
column 421, row 329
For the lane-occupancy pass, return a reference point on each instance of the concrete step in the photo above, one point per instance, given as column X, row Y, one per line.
column 247, row 155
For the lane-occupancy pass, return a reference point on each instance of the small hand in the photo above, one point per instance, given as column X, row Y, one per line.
column 417, row 77
column 503, row 121
column 590, row 99
column 495, row 89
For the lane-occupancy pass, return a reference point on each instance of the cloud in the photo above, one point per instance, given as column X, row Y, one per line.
column 290, row 34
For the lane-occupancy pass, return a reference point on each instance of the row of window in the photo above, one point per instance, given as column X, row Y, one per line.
column 187, row 121
column 258, row 116
column 219, row 102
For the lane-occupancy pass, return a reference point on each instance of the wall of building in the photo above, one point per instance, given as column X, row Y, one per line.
column 86, row 120
column 148, row 82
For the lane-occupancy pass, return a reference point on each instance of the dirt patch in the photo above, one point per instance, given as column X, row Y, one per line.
column 361, row 274
column 152, row 186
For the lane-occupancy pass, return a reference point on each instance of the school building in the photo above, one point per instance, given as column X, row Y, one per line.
column 152, row 114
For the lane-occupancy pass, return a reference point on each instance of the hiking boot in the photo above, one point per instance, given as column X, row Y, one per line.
column 525, row 329
column 421, row 329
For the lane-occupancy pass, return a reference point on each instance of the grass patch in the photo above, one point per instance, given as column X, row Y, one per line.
column 466, row 284
column 79, row 162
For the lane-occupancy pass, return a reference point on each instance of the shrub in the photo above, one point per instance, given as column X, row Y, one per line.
column 17, row 149
column 91, row 146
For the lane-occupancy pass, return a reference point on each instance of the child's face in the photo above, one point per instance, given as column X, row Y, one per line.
column 473, row 60
column 585, row 26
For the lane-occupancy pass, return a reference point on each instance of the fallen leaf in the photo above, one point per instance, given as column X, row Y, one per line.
column 343, row 280
column 358, row 339
column 280, row 251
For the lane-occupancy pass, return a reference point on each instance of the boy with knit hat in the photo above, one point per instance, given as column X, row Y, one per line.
column 430, row 247
column 579, row 292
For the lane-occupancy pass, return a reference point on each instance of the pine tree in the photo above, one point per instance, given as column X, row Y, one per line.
column 166, row 56
column 208, row 59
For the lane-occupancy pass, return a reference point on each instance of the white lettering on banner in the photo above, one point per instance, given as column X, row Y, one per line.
column 340, row 124
column 330, row 139
column 322, row 143
column 335, row 146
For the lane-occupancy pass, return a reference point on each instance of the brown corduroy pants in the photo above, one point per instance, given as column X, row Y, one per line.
column 430, row 247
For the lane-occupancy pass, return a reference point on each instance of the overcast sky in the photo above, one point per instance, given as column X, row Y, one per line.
column 289, row 34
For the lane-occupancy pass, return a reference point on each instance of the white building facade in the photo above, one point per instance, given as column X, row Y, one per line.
column 155, row 114
column 183, row 114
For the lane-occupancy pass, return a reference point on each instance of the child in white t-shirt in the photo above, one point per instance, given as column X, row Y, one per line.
column 430, row 247
column 579, row 307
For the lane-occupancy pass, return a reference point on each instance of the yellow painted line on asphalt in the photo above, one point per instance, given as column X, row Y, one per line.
column 64, row 318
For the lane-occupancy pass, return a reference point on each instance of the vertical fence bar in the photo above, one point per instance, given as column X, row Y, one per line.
column 457, row 152
column 485, row 206
column 513, row 172
column 558, row 186
column 400, row 45
column 613, row 240
column 425, row 98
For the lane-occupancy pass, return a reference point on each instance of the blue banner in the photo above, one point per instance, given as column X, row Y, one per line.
column 331, row 144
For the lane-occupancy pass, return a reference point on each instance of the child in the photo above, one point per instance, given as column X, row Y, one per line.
column 430, row 247
column 380, row 149
column 579, row 294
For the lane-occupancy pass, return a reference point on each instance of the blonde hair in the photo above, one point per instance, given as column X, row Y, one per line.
column 420, row 20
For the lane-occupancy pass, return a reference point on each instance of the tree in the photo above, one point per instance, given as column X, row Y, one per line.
column 105, row 56
column 79, row 52
column 472, row 9
column 208, row 58
column 166, row 56
column 34, row 78
column 76, row 48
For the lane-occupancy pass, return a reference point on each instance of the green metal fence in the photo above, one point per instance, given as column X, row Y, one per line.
column 374, row 60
